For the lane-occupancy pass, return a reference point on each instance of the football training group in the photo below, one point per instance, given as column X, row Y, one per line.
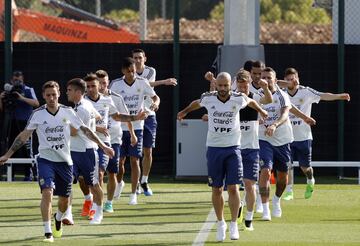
column 256, row 125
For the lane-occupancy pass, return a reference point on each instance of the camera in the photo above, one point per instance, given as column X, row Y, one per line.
column 10, row 98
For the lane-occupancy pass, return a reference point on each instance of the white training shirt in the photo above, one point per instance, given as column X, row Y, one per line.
column 224, row 121
column 250, row 127
column 88, row 114
column 149, row 74
column 53, row 131
column 283, row 133
column 133, row 96
column 303, row 99
column 105, row 106
column 114, row 126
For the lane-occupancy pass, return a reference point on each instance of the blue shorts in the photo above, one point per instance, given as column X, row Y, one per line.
column 127, row 149
column 55, row 175
column 274, row 157
column 149, row 137
column 250, row 161
column 86, row 164
column 103, row 158
column 224, row 163
column 113, row 166
column 301, row 151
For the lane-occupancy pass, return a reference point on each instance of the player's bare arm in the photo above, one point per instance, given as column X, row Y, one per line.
column 194, row 105
column 102, row 130
column 73, row 131
column 19, row 141
column 168, row 81
column 332, row 97
column 141, row 115
column 284, row 114
column 307, row 119
column 133, row 137
column 253, row 104
column 93, row 137
column 267, row 98
column 209, row 76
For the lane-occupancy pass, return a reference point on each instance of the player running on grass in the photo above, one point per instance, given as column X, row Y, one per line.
column 223, row 147
column 52, row 123
column 303, row 98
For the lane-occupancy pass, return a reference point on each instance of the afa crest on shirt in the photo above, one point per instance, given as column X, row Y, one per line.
column 65, row 120
column 234, row 108
column 301, row 101
column 275, row 101
column 41, row 181
column 138, row 90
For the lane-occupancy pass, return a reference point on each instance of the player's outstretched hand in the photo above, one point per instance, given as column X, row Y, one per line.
column 310, row 121
column 170, row 81
column 263, row 114
column 181, row 115
column 133, row 140
column 270, row 130
column 345, row 96
column 3, row 159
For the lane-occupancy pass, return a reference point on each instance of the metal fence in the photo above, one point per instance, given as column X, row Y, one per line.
column 129, row 21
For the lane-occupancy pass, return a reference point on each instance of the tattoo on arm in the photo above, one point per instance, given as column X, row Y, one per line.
column 90, row 135
column 17, row 144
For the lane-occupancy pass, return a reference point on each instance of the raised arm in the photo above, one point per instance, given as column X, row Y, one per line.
column 267, row 98
column 332, row 97
column 19, row 141
column 209, row 76
column 194, row 105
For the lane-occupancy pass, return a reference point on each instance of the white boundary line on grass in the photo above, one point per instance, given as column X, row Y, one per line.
column 205, row 229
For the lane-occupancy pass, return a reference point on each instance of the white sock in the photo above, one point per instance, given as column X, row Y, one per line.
column 68, row 210
column 47, row 226
column 88, row 197
column 276, row 198
column 289, row 188
column 98, row 208
column 94, row 206
column 59, row 215
column 249, row 215
column 144, row 179
column 108, row 201
column 221, row 221
column 310, row 181
column 266, row 207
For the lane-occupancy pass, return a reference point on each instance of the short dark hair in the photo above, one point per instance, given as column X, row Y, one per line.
column 101, row 73
column 243, row 75
column 248, row 65
column 137, row 51
column 17, row 73
column 269, row 70
column 289, row 71
column 51, row 84
column 127, row 62
column 90, row 77
column 258, row 64
column 78, row 83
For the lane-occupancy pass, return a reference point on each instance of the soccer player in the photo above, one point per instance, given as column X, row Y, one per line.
column 105, row 106
column 303, row 98
column 249, row 126
column 223, row 147
column 115, row 132
column 133, row 89
column 52, row 123
column 275, row 135
column 150, row 123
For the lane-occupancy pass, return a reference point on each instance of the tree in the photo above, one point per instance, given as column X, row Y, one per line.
column 284, row 11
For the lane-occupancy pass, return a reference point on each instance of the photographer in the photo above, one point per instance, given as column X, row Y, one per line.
column 17, row 102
